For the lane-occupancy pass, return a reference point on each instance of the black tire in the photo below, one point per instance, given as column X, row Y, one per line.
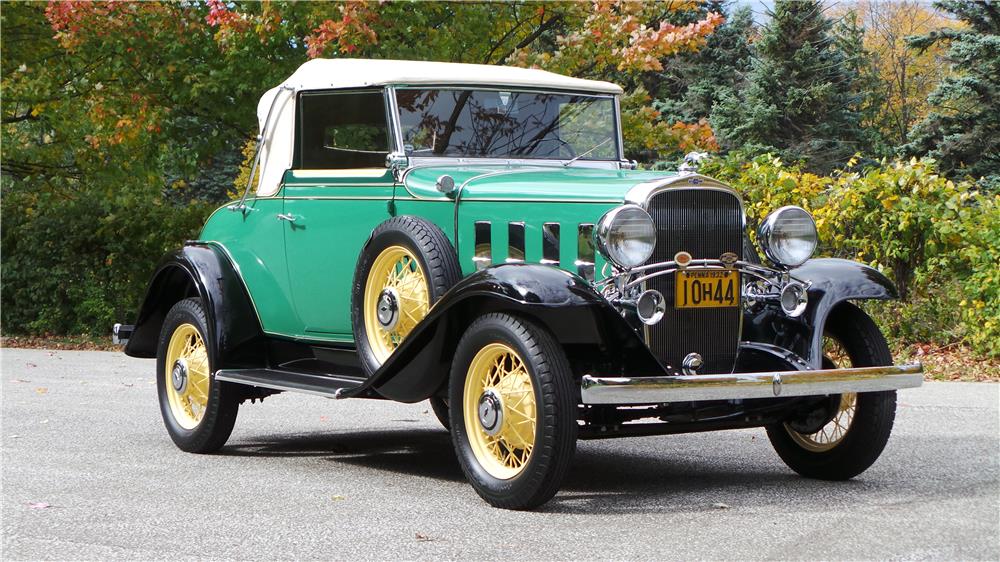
column 433, row 252
column 219, row 417
column 868, row 432
column 440, row 408
column 555, row 412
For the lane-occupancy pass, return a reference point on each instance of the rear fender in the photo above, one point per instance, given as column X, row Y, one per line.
column 203, row 271
column 587, row 326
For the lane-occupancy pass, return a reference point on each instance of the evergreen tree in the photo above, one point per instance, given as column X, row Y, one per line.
column 691, row 83
column 799, row 101
column 963, row 129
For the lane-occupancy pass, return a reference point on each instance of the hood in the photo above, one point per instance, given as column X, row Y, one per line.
column 531, row 183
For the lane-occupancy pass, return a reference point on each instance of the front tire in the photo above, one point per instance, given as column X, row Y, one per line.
column 198, row 411
column 853, row 440
column 513, row 411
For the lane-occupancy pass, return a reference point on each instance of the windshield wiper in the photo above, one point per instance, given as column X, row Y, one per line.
column 582, row 154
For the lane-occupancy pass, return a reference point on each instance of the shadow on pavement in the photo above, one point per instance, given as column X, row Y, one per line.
column 601, row 480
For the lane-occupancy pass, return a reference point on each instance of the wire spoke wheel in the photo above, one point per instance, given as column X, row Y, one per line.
column 500, row 410
column 831, row 434
column 396, row 299
column 187, row 376
column 855, row 426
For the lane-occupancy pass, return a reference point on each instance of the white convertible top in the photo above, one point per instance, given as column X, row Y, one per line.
column 322, row 74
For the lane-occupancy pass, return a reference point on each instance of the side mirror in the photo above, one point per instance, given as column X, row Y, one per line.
column 397, row 162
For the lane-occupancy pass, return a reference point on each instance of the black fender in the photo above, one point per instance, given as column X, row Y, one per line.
column 592, row 331
column 833, row 281
column 204, row 271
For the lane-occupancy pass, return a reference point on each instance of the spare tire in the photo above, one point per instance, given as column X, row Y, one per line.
column 406, row 266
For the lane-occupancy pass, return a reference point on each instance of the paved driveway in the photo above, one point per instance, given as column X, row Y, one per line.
column 89, row 472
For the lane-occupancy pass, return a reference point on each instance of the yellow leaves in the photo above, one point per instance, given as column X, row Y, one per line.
column 888, row 202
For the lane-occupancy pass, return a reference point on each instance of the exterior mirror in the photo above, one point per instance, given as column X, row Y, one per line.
column 397, row 162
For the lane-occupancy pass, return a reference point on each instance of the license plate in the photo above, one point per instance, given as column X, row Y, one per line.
column 707, row 289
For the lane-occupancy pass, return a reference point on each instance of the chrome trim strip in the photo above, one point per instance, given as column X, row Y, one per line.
column 618, row 127
column 394, row 121
column 740, row 386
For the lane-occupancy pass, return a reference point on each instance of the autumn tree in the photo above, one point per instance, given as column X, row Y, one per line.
column 898, row 78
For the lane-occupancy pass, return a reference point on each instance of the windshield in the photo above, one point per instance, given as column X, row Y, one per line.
column 507, row 124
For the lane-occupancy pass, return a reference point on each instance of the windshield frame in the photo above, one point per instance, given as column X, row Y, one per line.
column 397, row 128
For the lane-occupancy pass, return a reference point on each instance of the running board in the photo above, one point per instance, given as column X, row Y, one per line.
column 330, row 386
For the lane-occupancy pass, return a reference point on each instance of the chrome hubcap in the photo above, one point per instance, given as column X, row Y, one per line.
column 490, row 412
column 179, row 375
column 388, row 308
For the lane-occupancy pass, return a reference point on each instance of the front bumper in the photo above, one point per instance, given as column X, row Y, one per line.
column 738, row 386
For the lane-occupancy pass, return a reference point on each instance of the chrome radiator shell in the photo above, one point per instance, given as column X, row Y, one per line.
column 705, row 221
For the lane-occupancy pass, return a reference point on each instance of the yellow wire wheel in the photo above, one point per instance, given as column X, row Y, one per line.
column 396, row 299
column 831, row 434
column 499, row 410
column 186, row 376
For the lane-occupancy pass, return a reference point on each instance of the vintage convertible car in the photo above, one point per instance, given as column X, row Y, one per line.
column 473, row 235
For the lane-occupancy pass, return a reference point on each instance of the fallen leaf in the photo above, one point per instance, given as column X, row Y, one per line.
column 30, row 365
column 38, row 505
column 18, row 380
column 337, row 498
column 423, row 538
column 128, row 384
column 720, row 505
column 324, row 418
column 41, row 390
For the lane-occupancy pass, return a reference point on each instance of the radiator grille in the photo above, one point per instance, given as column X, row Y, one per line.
column 705, row 223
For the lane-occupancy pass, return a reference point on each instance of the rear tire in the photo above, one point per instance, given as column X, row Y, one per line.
column 854, row 439
column 198, row 411
column 513, row 411
column 440, row 407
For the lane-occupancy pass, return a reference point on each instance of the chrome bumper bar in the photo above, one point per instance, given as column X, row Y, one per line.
column 693, row 388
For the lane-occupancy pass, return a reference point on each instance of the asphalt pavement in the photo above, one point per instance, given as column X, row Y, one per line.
column 90, row 473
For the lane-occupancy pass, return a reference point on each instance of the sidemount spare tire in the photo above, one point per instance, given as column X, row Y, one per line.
column 406, row 266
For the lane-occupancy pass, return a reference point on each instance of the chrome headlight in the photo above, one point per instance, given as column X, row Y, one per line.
column 788, row 236
column 626, row 236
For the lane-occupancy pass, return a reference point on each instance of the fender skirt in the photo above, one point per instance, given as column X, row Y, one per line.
column 202, row 270
column 589, row 328
column 834, row 281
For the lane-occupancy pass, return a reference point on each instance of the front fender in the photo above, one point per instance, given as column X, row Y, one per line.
column 833, row 281
column 203, row 271
column 565, row 304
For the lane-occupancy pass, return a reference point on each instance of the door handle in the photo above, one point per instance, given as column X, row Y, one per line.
column 287, row 217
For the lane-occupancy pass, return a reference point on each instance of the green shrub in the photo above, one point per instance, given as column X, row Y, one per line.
column 77, row 260
column 937, row 239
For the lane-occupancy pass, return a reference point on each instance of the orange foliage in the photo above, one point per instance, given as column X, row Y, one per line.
column 352, row 30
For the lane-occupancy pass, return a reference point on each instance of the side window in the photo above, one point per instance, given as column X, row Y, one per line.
column 341, row 131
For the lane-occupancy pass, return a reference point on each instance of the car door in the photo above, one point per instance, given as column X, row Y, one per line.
column 338, row 191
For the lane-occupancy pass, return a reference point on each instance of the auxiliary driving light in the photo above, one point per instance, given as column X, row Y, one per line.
column 794, row 299
column 650, row 307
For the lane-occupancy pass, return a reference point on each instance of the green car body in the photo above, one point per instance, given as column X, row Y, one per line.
column 271, row 253
column 474, row 236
